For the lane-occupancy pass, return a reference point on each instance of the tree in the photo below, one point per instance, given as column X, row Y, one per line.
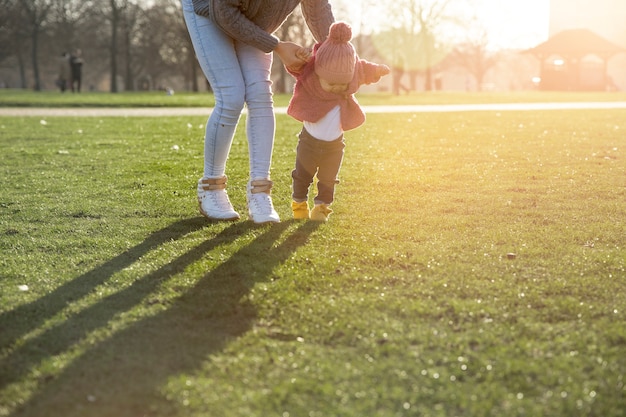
column 118, row 15
column 190, row 66
column 418, row 34
column 160, row 54
column 7, row 17
column 474, row 54
column 13, row 37
column 114, row 18
column 125, row 43
column 36, row 13
column 130, row 23
column 67, row 23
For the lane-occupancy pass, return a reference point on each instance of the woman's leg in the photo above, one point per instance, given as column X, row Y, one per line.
column 220, row 64
column 260, row 124
column 260, row 129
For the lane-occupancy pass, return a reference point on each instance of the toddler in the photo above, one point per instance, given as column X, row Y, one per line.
column 323, row 99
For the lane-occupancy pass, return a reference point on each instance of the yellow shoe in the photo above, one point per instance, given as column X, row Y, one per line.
column 300, row 210
column 320, row 213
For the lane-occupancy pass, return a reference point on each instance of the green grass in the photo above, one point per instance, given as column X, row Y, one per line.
column 404, row 304
column 26, row 98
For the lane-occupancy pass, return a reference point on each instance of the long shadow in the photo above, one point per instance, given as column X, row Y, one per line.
column 27, row 317
column 59, row 338
column 124, row 374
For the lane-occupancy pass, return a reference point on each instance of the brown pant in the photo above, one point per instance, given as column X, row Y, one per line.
column 321, row 157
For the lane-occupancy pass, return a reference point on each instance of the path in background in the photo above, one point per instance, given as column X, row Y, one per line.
column 203, row 111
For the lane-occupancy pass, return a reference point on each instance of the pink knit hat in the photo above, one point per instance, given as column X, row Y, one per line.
column 335, row 58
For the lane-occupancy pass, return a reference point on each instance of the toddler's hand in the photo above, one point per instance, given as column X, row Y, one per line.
column 382, row 70
column 304, row 53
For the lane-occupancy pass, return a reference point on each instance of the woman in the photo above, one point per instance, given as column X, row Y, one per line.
column 233, row 42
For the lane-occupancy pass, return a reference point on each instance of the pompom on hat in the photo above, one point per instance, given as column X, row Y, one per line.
column 335, row 58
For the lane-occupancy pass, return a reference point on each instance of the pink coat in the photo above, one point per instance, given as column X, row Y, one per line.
column 309, row 102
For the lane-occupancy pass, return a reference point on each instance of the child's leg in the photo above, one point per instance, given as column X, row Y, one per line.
column 306, row 166
column 327, row 178
column 327, row 174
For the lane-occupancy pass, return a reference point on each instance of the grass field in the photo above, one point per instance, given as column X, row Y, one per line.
column 475, row 265
column 27, row 98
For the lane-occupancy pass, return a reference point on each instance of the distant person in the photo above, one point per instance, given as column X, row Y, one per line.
column 64, row 70
column 438, row 82
column 398, row 73
column 323, row 99
column 76, row 70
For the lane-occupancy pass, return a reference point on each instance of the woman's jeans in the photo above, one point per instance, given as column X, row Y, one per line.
column 238, row 73
column 321, row 157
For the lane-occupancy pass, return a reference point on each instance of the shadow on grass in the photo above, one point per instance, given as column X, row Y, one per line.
column 122, row 375
column 28, row 317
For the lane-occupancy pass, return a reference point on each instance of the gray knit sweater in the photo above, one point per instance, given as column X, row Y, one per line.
column 254, row 21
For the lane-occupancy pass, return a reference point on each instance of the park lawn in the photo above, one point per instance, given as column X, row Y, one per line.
column 474, row 265
column 55, row 99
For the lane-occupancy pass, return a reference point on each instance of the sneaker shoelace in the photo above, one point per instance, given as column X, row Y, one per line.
column 259, row 194
column 219, row 199
column 262, row 202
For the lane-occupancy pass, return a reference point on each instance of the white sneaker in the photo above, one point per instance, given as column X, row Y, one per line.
column 260, row 207
column 213, row 199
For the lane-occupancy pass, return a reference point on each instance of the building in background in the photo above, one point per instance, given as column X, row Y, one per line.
column 605, row 18
column 576, row 60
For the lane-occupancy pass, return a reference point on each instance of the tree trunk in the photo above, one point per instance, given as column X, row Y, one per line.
column 194, row 70
column 128, row 78
column 22, row 66
column 37, row 79
column 113, row 46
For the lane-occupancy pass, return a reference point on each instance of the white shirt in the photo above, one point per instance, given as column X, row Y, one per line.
column 328, row 128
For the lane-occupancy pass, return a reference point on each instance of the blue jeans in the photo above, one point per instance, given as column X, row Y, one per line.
column 238, row 74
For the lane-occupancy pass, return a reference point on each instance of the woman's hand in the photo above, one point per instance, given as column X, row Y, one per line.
column 293, row 55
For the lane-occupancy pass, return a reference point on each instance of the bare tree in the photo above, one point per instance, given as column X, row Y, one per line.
column 114, row 14
column 136, row 41
column 190, row 68
column 14, row 37
column 130, row 23
column 163, row 53
column 37, row 17
column 474, row 54
column 67, row 22
column 417, row 34
column 7, row 17
column 190, row 63
column 181, row 48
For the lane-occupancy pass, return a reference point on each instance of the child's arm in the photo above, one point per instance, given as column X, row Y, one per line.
column 371, row 72
column 382, row 70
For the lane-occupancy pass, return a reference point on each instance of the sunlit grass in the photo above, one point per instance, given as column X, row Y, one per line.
column 26, row 98
column 117, row 299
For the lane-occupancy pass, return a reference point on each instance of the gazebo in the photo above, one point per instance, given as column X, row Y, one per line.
column 575, row 60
